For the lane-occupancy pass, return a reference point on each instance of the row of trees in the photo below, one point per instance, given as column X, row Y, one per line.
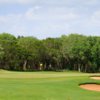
column 72, row 52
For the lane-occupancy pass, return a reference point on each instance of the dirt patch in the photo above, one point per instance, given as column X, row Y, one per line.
column 92, row 87
column 95, row 77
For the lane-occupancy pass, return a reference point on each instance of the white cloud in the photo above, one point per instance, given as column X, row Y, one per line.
column 36, row 23
column 92, row 21
column 91, row 2
column 7, row 18
column 51, row 2
column 95, row 19
column 50, row 14
column 56, row 18
column 16, row 1
column 10, row 22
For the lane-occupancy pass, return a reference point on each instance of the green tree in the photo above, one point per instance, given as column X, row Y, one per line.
column 53, row 53
column 8, row 43
column 30, row 52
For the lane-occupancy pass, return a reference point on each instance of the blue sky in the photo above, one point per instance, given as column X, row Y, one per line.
column 49, row 18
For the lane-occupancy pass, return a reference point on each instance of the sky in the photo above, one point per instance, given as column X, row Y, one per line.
column 50, row 18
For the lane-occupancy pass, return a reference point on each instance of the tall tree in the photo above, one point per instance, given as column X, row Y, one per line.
column 8, row 43
column 31, row 51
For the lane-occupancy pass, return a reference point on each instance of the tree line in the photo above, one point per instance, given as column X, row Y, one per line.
column 68, row 52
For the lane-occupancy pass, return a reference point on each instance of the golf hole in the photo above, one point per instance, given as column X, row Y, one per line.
column 90, row 86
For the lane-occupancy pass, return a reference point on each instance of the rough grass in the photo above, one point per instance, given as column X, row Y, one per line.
column 45, row 86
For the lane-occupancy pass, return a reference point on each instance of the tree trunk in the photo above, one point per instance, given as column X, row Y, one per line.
column 24, row 65
column 86, row 66
column 79, row 69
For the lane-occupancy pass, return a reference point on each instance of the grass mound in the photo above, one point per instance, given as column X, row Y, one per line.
column 96, row 77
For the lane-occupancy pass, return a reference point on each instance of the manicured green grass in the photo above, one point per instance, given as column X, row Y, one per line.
column 45, row 86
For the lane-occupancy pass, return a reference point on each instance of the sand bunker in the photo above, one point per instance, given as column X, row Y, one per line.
column 95, row 77
column 92, row 87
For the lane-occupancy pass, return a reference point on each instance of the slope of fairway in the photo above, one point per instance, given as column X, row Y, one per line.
column 45, row 86
column 12, row 74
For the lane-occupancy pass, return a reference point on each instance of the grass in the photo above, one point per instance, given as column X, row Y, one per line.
column 45, row 86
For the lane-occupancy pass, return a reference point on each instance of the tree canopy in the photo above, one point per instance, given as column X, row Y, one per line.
column 71, row 52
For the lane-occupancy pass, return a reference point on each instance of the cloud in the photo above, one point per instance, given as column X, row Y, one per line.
column 50, row 2
column 10, row 18
column 95, row 18
column 16, row 1
column 44, row 18
column 33, row 22
column 91, row 2
column 11, row 23
column 38, row 13
column 92, row 21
